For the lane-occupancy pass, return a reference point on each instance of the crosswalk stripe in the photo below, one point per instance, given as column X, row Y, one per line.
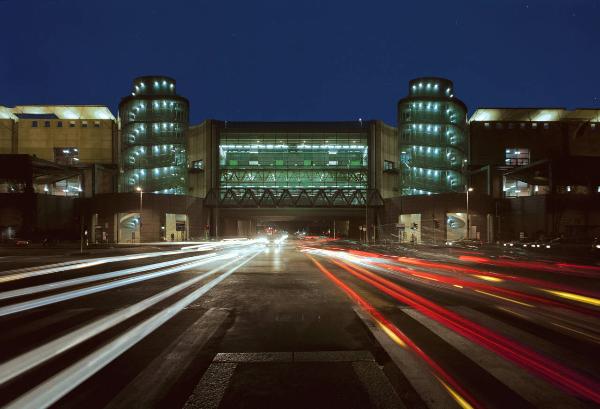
column 210, row 390
column 418, row 374
column 531, row 388
column 565, row 356
column 165, row 369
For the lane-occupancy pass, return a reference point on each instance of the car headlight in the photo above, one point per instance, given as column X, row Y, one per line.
column 511, row 244
column 548, row 246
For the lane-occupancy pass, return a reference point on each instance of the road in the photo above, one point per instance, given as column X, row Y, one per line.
column 300, row 324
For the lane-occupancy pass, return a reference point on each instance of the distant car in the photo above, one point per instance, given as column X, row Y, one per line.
column 552, row 243
column 21, row 242
column 465, row 243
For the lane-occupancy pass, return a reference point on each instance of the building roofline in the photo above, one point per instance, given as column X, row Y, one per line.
column 62, row 111
column 166, row 77
column 534, row 114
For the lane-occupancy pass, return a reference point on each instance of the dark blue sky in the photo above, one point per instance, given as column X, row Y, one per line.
column 302, row 59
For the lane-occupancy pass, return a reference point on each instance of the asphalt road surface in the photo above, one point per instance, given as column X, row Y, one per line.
column 300, row 324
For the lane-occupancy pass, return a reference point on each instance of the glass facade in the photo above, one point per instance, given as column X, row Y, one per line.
column 153, row 148
column 432, row 128
column 259, row 160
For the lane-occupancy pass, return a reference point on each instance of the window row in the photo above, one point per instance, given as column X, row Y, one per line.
column 59, row 124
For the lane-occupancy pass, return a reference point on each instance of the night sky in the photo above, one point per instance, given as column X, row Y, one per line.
column 302, row 59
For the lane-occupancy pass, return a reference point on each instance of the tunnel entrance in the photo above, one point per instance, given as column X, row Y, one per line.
column 341, row 223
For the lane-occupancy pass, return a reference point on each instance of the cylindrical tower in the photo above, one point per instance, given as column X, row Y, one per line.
column 153, row 149
column 432, row 129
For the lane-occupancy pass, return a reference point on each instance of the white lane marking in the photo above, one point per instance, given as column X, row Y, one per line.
column 299, row 356
column 210, row 390
column 39, row 355
column 51, row 299
column 165, row 369
column 533, row 389
column 96, row 277
column 53, row 389
column 416, row 371
column 381, row 392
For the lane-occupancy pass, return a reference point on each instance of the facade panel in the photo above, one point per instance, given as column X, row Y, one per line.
column 300, row 160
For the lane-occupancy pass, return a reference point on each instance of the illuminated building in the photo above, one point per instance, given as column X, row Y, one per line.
column 433, row 143
column 293, row 171
column 153, row 146
column 515, row 148
column 83, row 137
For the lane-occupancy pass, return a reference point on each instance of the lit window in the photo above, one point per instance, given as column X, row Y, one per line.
column 84, row 124
column 486, row 124
column 593, row 126
column 546, row 125
column 71, row 124
column 517, row 157
column 198, row 164
column 534, row 125
column 96, row 124
column 253, row 163
column 388, row 165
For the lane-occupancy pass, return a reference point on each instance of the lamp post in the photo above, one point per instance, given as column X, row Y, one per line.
column 366, row 216
column 139, row 189
column 468, row 189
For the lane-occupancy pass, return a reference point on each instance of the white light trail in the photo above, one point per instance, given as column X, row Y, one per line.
column 37, row 356
column 27, row 272
column 53, row 389
column 18, row 274
column 97, row 277
column 51, row 299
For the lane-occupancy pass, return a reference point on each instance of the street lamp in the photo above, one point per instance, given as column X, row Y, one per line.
column 366, row 216
column 139, row 189
column 468, row 189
